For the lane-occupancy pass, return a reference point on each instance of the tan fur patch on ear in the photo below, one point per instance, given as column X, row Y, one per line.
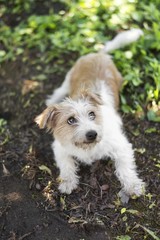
column 93, row 97
column 47, row 118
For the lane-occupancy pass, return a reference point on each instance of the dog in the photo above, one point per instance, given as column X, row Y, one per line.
column 86, row 125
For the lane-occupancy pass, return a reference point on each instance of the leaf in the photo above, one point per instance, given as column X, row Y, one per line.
column 126, row 108
column 41, row 77
column 149, row 196
column 45, row 169
column 131, row 211
column 152, row 116
column 123, row 210
column 76, row 220
column 2, row 53
column 152, row 205
column 5, row 170
column 123, row 237
column 134, row 212
column 136, row 132
column 151, row 130
column 151, row 233
column 140, row 150
column 29, row 85
column 63, row 202
column 157, row 165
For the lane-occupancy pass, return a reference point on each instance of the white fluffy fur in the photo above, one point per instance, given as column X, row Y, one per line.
column 114, row 144
column 113, row 141
column 122, row 39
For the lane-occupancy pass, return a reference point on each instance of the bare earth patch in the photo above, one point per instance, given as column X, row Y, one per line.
column 31, row 207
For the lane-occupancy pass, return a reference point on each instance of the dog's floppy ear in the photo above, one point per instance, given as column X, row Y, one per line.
column 47, row 119
column 93, row 97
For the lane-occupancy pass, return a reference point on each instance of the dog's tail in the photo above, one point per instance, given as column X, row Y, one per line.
column 122, row 39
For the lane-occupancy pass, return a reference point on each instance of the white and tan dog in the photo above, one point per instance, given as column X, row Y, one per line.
column 86, row 125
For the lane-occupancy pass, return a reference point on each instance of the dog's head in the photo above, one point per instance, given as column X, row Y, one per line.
column 77, row 122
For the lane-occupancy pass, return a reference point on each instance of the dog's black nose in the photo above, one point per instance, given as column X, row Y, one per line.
column 91, row 135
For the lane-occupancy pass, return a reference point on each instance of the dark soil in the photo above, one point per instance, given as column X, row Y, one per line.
column 32, row 207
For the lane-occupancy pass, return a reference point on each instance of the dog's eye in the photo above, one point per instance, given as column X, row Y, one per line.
column 71, row 120
column 91, row 115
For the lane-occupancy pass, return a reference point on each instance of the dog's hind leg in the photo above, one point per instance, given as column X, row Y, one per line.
column 60, row 92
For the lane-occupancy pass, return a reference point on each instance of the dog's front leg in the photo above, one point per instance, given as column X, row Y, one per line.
column 68, row 169
column 126, row 168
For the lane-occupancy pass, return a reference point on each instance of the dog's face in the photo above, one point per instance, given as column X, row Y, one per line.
column 74, row 122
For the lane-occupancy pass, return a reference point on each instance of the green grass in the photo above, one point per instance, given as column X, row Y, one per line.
column 79, row 27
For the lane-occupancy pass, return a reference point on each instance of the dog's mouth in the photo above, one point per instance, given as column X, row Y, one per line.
column 86, row 144
column 89, row 142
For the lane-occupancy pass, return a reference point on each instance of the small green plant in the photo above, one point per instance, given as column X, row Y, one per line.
column 124, row 237
column 3, row 124
column 4, row 134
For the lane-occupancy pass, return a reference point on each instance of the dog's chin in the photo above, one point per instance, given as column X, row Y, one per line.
column 86, row 144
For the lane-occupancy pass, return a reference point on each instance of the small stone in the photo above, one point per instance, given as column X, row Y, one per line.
column 105, row 187
column 38, row 186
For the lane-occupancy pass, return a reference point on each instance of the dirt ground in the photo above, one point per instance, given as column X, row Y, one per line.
column 32, row 208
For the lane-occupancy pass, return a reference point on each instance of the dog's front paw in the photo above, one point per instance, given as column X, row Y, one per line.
column 67, row 186
column 138, row 188
column 123, row 196
column 135, row 189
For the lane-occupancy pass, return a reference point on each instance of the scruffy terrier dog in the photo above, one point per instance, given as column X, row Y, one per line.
column 86, row 125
